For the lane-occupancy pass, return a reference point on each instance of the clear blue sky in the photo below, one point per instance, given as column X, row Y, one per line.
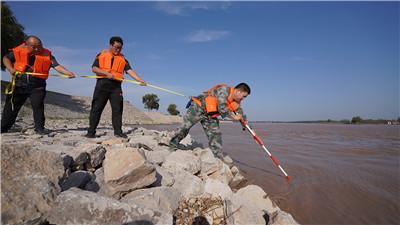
column 303, row 60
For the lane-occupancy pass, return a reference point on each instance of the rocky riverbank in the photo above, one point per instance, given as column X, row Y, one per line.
column 65, row 178
column 60, row 106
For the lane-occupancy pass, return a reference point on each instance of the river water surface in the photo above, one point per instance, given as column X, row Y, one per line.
column 341, row 174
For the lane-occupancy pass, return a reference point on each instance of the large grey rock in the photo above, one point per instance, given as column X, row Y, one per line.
column 157, row 157
column 223, row 174
column 82, row 162
column 126, row 169
column 77, row 179
column 250, row 205
column 209, row 164
column 147, row 140
column 237, row 181
column 188, row 184
column 217, row 188
column 114, row 142
column 258, row 197
column 76, row 206
column 99, row 174
column 164, row 137
column 163, row 177
column 97, row 156
column 29, row 182
column 184, row 160
column 241, row 211
column 234, row 170
column 164, row 199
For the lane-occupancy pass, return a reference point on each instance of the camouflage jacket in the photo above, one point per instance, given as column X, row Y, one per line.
column 222, row 94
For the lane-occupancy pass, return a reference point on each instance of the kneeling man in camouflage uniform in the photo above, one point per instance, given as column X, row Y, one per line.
column 220, row 100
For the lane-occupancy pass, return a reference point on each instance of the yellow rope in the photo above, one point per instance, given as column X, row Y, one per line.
column 42, row 74
column 11, row 86
column 139, row 83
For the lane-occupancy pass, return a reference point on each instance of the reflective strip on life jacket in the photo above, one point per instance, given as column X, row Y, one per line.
column 114, row 64
column 42, row 61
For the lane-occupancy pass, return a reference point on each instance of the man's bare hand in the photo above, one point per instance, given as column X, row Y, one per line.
column 71, row 75
column 110, row 76
column 12, row 71
column 237, row 117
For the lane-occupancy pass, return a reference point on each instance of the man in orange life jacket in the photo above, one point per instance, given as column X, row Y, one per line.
column 111, row 65
column 220, row 100
column 29, row 57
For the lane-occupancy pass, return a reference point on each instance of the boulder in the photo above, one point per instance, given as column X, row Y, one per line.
column 147, row 140
column 188, row 184
column 224, row 174
column 97, row 156
column 250, row 205
column 125, row 170
column 77, row 179
column 82, row 162
column 209, row 164
column 163, row 177
column 217, row 188
column 183, row 160
column 113, row 142
column 29, row 182
column 258, row 197
column 237, row 181
column 239, row 214
column 76, row 206
column 164, row 199
column 157, row 157
column 99, row 179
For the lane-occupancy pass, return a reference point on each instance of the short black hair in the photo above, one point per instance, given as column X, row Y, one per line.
column 243, row 87
column 116, row 39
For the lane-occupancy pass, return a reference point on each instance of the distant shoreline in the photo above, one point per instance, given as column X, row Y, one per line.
column 376, row 122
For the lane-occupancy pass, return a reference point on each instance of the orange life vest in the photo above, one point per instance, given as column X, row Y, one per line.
column 116, row 67
column 42, row 61
column 211, row 102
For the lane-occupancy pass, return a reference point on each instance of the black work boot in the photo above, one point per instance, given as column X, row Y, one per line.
column 121, row 135
column 42, row 131
column 90, row 135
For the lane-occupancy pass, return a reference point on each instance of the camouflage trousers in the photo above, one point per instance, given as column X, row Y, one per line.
column 210, row 125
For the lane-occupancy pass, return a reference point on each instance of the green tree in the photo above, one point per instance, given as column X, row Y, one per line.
column 356, row 119
column 150, row 101
column 12, row 33
column 172, row 110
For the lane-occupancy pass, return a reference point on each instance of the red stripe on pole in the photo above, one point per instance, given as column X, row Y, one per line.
column 275, row 161
column 258, row 140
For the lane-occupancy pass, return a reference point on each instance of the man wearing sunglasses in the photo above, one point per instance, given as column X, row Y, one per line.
column 110, row 66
